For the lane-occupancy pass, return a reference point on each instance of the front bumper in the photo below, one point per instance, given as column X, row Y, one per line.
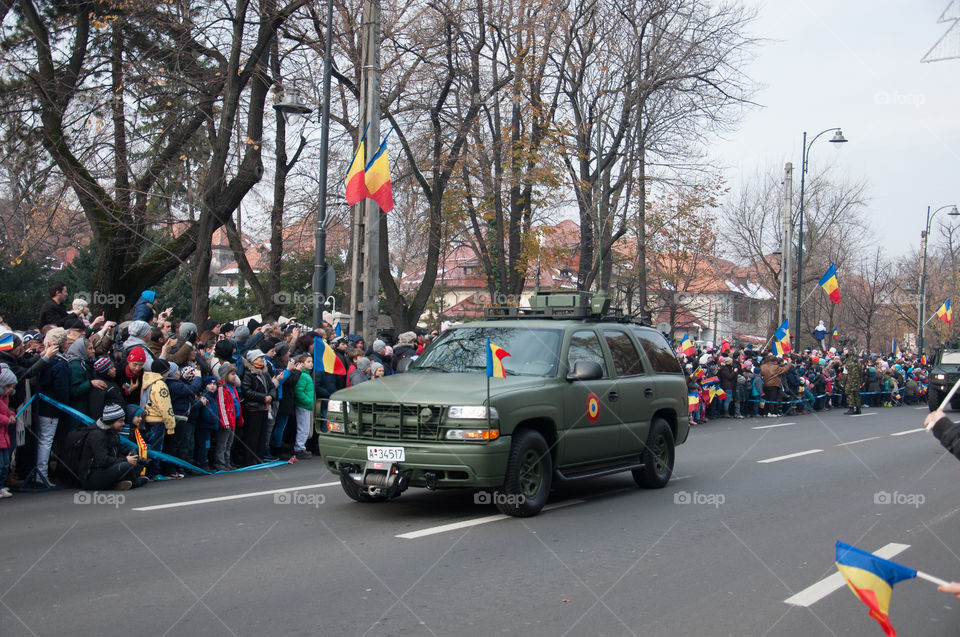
column 450, row 464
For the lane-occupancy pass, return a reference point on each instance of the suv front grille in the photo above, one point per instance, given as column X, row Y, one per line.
column 392, row 421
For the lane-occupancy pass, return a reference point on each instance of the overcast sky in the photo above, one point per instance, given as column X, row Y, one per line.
column 856, row 65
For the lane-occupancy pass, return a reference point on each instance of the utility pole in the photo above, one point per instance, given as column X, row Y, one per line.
column 786, row 243
column 365, row 279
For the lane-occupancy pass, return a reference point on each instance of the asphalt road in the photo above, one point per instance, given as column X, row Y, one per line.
column 717, row 552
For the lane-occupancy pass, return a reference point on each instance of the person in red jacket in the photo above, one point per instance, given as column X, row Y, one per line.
column 228, row 410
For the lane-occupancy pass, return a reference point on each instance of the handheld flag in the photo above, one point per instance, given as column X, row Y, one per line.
column 720, row 393
column 923, row 359
column 944, row 313
column 337, row 331
column 871, row 579
column 699, row 373
column 356, row 184
column 329, row 362
column 781, row 338
column 686, row 346
column 495, row 356
column 829, row 283
column 896, row 349
column 378, row 178
column 6, row 342
column 693, row 401
column 836, row 332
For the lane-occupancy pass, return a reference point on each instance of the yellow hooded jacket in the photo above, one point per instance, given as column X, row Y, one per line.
column 155, row 400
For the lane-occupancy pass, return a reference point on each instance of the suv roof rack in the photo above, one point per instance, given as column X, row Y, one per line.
column 563, row 305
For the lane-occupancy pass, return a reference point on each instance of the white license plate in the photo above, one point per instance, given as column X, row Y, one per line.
column 386, row 454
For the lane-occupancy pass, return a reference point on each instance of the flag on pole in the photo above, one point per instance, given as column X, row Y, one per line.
column 356, row 179
column 686, row 346
column 871, row 579
column 781, row 338
column 495, row 356
column 896, row 349
column 378, row 178
column 944, row 313
column 829, row 283
column 836, row 332
column 329, row 362
column 693, row 401
column 337, row 331
column 698, row 373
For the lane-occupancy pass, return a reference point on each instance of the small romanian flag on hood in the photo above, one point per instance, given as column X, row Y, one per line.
column 944, row 313
column 686, row 346
column 871, row 579
column 329, row 362
column 495, row 356
column 829, row 283
column 781, row 338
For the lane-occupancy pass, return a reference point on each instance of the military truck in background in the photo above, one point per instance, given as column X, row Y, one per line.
column 945, row 372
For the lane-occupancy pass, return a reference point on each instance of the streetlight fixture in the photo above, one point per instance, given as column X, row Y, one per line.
column 837, row 138
column 923, row 272
column 291, row 106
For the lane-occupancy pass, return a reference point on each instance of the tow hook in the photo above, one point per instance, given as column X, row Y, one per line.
column 379, row 478
column 431, row 479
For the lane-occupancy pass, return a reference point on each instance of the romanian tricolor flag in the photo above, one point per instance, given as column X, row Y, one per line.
column 836, row 332
column 495, row 356
column 6, row 342
column 686, row 346
column 699, row 373
column 944, row 313
column 356, row 181
column 781, row 338
column 720, row 393
column 693, row 401
column 923, row 359
column 328, row 361
column 871, row 579
column 829, row 283
column 337, row 331
column 713, row 392
column 378, row 178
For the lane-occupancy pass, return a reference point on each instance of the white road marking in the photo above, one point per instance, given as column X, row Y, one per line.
column 675, row 478
column 453, row 526
column 781, row 424
column 790, row 455
column 853, row 442
column 813, row 594
column 239, row 496
column 871, row 413
column 924, row 407
column 908, row 431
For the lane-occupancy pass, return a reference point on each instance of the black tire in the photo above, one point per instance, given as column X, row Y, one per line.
column 933, row 399
column 354, row 492
column 526, row 486
column 658, row 456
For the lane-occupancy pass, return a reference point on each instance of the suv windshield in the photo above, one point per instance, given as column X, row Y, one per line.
column 950, row 358
column 533, row 352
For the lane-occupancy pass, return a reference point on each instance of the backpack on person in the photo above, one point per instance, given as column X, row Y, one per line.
column 70, row 460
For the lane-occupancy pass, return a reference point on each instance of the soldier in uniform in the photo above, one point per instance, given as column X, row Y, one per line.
column 852, row 381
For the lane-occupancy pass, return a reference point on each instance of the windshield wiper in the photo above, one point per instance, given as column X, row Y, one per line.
column 508, row 372
column 442, row 369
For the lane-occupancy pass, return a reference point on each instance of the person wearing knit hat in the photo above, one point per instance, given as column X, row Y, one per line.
column 376, row 370
column 378, row 354
column 361, row 373
column 104, row 464
column 7, row 378
column 160, row 366
column 406, row 338
column 143, row 310
column 105, row 373
column 379, row 346
column 102, row 365
column 138, row 331
column 32, row 341
column 241, row 334
column 253, row 355
column 259, row 390
column 225, row 370
column 230, row 417
column 55, row 336
column 137, row 355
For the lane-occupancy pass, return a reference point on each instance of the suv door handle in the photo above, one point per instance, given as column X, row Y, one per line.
column 613, row 396
column 648, row 391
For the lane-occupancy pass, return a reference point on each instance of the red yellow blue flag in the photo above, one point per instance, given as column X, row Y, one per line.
column 836, row 332
column 6, row 342
column 686, row 346
column 377, row 178
column 781, row 338
column 495, row 356
column 329, row 362
column 944, row 313
column 829, row 283
column 693, row 401
column 356, row 179
column 871, row 579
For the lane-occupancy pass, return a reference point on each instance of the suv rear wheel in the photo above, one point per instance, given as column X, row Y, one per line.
column 526, row 486
column 658, row 455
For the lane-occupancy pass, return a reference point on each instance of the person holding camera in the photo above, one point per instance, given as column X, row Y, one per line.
column 104, row 465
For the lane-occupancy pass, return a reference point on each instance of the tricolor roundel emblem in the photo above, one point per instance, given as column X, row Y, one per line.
column 593, row 407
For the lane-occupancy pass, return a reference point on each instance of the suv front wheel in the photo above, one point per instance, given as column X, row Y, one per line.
column 526, row 486
column 658, row 456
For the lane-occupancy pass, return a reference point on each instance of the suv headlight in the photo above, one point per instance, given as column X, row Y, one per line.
column 337, row 406
column 472, row 434
column 471, row 412
column 941, row 376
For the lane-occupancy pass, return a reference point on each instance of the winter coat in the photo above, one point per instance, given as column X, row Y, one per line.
column 255, row 387
column 324, row 384
column 7, row 419
column 357, row 377
column 287, row 399
column 25, row 368
column 304, row 392
column 52, row 313
column 401, row 352
column 134, row 341
column 142, row 311
column 98, row 398
column 772, row 373
column 81, row 373
column 101, row 449
column 207, row 416
column 728, row 378
column 948, row 433
column 228, row 406
column 54, row 382
column 182, row 395
column 155, row 400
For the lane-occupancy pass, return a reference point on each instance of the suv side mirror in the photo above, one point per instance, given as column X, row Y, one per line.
column 585, row 370
column 404, row 364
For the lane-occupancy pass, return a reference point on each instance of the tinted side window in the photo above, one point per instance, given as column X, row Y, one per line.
column 626, row 360
column 585, row 346
column 658, row 352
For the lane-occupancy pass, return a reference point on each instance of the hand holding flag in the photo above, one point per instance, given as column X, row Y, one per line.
column 781, row 338
column 686, row 346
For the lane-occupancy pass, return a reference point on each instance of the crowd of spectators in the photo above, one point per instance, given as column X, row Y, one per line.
column 216, row 397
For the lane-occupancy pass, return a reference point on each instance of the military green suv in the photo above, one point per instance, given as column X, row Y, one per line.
column 585, row 393
column 945, row 373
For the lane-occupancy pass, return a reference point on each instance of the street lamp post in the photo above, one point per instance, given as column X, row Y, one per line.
column 923, row 270
column 837, row 138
